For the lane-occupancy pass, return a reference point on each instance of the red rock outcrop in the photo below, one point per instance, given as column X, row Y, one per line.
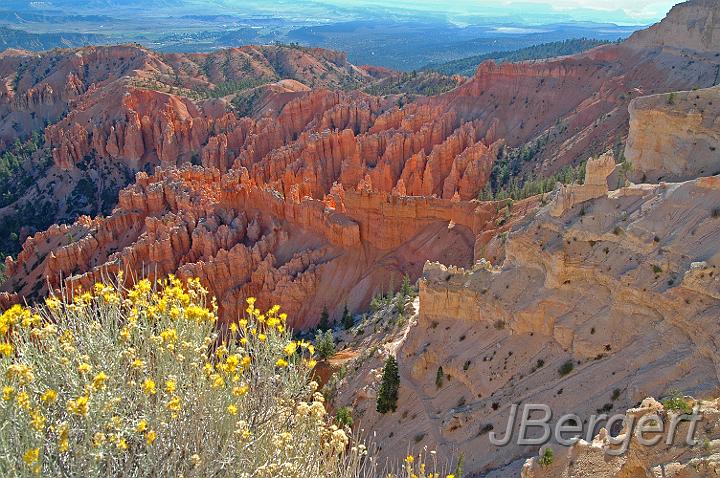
column 243, row 240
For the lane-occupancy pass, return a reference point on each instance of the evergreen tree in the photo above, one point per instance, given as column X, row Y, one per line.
column 325, row 344
column 389, row 387
column 324, row 323
column 406, row 288
column 347, row 319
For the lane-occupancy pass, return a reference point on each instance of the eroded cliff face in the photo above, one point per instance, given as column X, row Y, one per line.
column 675, row 136
column 244, row 240
column 691, row 25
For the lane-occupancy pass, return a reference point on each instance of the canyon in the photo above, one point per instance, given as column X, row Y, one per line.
column 268, row 172
column 385, row 177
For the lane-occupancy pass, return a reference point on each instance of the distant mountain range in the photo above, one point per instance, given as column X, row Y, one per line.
column 12, row 38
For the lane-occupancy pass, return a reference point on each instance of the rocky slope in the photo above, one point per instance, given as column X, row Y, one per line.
column 591, row 458
column 674, row 136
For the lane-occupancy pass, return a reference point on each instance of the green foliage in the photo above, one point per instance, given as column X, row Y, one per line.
column 426, row 83
column 467, row 66
column 458, row 473
column 671, row 98
column 343, row 417
column 324, row 323
column 389, row 387
column 566, row 368
column 439, row 377
column 406, row 288
column 13, row 179
column 325, row 344
column 547, row 457
column 677, row 402
column 228, row 88
column 508, row 181
column 347, row 319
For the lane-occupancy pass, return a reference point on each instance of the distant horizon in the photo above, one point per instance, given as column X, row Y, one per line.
column 531, row 12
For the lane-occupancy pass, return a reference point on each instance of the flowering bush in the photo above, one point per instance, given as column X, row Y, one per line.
column 142, row 382
column 137, row 383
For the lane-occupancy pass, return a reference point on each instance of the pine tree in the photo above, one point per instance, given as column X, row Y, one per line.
column 406, row 289
column 389, row 387
column 324, row 323
column 325, row 344
column 347, row 319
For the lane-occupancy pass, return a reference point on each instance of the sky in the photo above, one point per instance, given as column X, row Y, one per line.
column 645, row 10
column 630, row 12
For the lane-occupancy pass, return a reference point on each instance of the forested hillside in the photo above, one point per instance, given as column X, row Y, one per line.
column 467, row 66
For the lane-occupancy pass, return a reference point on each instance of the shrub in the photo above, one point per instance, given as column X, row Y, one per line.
column 347, row 319
column 566, row 368
column 389, row 387
column 343, row 417
column 546, row 457
column 657, row 269
column 325, row 344
column 439, row 376
column 677, row 402
column 138, row 383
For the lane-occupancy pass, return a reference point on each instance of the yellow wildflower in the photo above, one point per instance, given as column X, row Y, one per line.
column 20, row 372
column 63, row 437
column 84, row 368
column 52, row 303
column 37, row 420
column 290, row 348
column 125, row 334
column 170, row 386
column 99, row 380
column 281, row 363
column 23, row 400
column 232, row 409
column 6, row 349
column 217, row 381
column 48, row 397
column 141, row 426
column 31, row 456
column 98, row 439
column 8, row 393
column 240, row 391
column 149, row 387
column 150, row 437
column 79, row 406
column 174, row 404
